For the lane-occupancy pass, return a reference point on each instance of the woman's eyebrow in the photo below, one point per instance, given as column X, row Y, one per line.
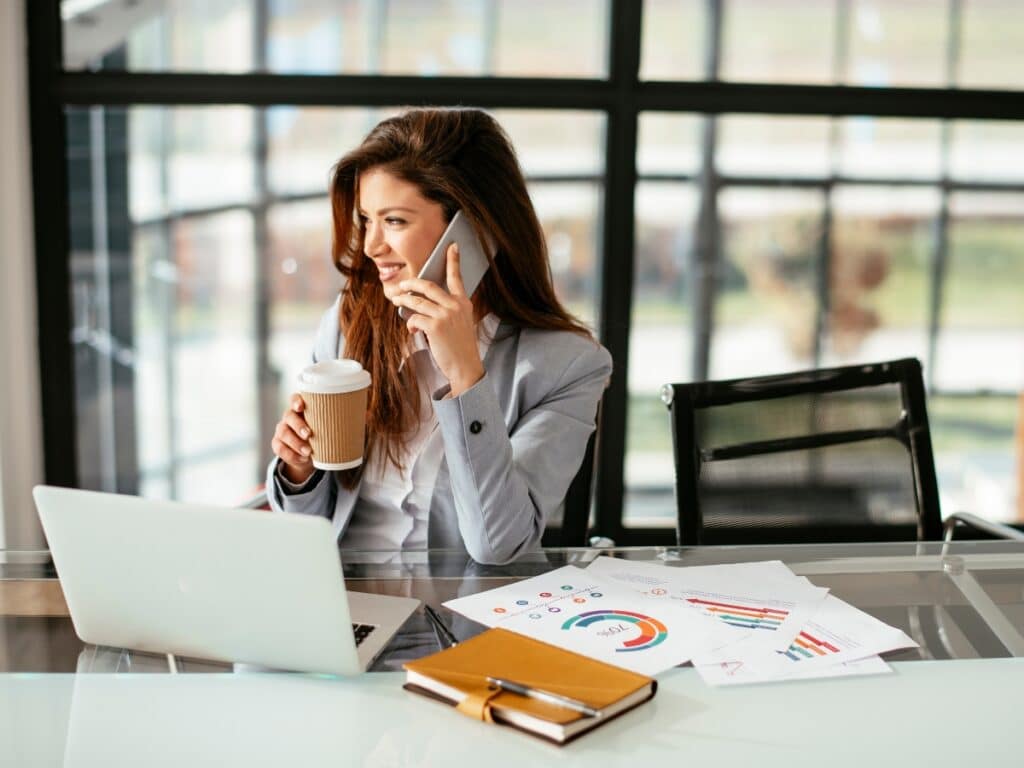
column 383, row 211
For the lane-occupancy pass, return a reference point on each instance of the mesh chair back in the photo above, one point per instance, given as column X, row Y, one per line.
column 840, row 454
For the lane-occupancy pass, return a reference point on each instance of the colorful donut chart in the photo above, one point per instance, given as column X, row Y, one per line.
column 652, row 631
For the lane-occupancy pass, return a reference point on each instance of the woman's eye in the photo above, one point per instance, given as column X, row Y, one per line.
column 394, row 221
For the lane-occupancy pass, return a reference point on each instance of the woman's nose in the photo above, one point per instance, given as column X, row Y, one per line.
column 374, row 243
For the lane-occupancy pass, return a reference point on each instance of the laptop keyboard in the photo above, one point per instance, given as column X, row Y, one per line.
column 362, row 631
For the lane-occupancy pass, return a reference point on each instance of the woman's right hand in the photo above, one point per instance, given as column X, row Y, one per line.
column 291, row 442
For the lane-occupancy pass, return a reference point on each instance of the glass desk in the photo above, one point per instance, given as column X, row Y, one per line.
column 964, row 600
column 956, row 701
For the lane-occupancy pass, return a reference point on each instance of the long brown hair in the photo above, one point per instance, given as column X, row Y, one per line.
column 461, row 159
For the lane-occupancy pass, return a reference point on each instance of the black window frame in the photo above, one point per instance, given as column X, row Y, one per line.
column 621, row 97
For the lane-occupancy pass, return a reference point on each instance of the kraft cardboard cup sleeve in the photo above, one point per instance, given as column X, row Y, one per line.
column 335, row 393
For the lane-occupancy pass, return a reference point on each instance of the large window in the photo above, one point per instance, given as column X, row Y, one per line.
column 706, row 213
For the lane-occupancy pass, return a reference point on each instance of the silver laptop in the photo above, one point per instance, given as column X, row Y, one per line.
column 203, row 582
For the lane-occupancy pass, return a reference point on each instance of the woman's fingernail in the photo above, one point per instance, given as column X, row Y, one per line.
column 305, row 433
column 305, row 451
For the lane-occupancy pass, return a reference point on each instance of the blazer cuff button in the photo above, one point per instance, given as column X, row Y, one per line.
column 475, row 427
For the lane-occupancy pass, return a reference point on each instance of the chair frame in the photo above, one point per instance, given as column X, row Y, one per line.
column 684, row 400
column 576, row 513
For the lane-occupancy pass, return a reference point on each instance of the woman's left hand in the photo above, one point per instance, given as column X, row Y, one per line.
column 446, row 318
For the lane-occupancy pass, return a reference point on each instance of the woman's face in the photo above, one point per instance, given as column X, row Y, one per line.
column 401, row 226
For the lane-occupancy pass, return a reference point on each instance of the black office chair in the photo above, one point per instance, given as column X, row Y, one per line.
column 828, row 455
column 572, row 530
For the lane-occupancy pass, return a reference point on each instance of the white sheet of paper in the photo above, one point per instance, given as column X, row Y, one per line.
column 837, row 634
column 755, row 606
column 573, row 609
column 740, row 673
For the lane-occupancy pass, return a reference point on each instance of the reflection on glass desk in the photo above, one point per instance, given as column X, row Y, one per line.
column 958, row 601
column 959, row 713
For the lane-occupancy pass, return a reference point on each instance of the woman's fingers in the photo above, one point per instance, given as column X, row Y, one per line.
column 420, row 322
column 455, row 286
column 429, row 290
column 291, row 436
column 292, row 439
column 297, row 423
column 288, row 454
column 420, row 304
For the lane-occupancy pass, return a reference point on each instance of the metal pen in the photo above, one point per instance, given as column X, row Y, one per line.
column 440, row 628
column 546, row 696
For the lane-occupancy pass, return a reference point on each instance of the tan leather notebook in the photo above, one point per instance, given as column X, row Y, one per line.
column 459, row 675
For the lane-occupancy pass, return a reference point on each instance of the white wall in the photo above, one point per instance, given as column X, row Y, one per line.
column 21, row 462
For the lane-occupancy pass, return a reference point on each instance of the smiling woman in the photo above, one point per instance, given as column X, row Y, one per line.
column 400, row 228
column 481, row 405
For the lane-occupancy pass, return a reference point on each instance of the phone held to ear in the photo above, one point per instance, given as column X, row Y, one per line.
column 473, row 261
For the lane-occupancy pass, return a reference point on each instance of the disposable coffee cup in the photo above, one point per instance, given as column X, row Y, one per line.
column 335, row 393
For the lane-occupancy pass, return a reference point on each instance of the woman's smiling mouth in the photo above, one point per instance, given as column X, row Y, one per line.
column 389, row 271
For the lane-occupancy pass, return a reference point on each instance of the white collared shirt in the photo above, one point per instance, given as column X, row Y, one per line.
column 393, row 509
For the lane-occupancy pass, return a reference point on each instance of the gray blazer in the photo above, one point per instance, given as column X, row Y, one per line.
column 512, row 443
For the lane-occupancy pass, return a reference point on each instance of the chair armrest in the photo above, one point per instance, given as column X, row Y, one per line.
column 998, row 530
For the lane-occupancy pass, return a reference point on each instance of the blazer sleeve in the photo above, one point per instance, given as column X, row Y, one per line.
column 507, row 482
column 319, row 495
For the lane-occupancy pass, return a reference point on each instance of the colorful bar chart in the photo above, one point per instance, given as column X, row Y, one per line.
column 745, row 616
column 807, row 646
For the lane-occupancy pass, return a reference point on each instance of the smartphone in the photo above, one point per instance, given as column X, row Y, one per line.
column 473, row 261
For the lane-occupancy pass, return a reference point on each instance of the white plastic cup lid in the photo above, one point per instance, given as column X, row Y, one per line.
column 333, row 377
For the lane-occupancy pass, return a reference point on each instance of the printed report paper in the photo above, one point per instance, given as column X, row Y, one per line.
column 739, row 672
column 754, row 607
column 838, row 633
column 574, row 609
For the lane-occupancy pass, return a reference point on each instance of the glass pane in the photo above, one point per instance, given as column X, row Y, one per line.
column 890, row 148
column 571, row 217
column 213, row 401
column 431, row 38
column 784, row 146
column 303, row 284
column 668, row 143
column 784, row 41
column 898, row 42
column 982, row 305
column 975, row 455
column 987, row 151
column 187, row 35
column 555, row 142
column 189, row 158
column 992, row 44
column 449, row 37
column 154, row 284
column 673, row 39
column 881, row 251
column 304, row 143
column 766, row 301
column 660, row 344
column 324, row 37
column 550, row 38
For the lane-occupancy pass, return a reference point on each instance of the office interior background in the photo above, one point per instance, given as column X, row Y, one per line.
column 728, row 188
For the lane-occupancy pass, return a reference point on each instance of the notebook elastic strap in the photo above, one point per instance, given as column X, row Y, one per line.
column 478, row 704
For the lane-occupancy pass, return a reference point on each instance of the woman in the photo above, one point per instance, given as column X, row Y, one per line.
column 480, row 407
